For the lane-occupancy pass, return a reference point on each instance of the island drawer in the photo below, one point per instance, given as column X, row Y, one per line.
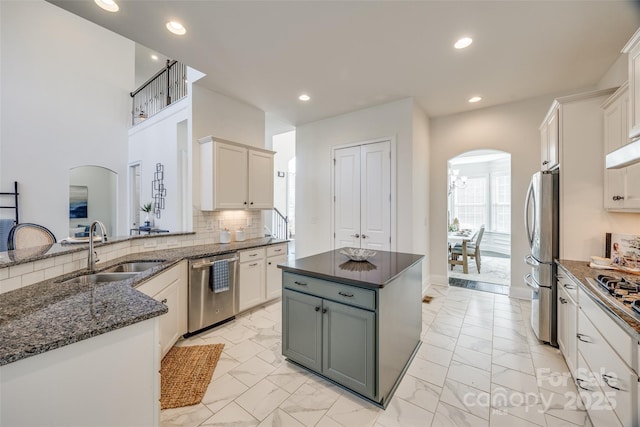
column 346, row 294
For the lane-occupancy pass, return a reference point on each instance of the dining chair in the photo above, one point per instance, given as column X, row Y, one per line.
column 459, row 254
column 27, row 235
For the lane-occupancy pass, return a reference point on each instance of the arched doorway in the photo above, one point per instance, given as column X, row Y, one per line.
column 479, row 220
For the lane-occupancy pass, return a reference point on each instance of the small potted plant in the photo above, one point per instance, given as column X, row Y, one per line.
column 147, row 208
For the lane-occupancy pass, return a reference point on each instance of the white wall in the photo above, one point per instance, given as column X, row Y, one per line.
column 60, row 110
column 617, row 74
column 512, row 128
column 420, row 190
column 314, row 142
column 157, row 140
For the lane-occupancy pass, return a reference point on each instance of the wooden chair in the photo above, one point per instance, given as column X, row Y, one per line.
column 468, row 249
column 28, row 235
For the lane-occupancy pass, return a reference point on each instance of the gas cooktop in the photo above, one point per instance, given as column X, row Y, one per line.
column 624, row 291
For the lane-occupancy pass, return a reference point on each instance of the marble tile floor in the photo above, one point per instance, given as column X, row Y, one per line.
column 479, row 365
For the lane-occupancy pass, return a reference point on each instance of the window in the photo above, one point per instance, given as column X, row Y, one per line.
column 501, row 203
column 470, row 203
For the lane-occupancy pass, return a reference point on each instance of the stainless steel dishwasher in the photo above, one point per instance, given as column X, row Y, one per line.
column 208, row 307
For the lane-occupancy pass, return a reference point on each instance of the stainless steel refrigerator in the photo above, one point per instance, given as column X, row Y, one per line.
column 541, row 222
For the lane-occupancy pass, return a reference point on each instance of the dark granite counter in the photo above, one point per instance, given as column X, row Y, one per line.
column 51, row 314
column 579, row 271
column 376, row 272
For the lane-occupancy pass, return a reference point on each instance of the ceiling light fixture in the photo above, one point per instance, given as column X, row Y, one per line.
column 475, row 99
column 176, row 28
column 108, row 5
column 304, row 97
column 154, row 57
column 463, row 42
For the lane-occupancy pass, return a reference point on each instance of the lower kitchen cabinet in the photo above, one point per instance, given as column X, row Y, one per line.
column 251, row 282
column 333, row 339
column 170, row 288
column 274, row 275
column 567, row 320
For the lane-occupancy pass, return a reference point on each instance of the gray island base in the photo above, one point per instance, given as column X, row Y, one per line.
column 357, row 324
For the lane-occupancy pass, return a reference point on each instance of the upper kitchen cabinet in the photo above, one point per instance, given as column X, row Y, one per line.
column 620, row 190
column 234, row 176
column 632, row 48
column 549, row 134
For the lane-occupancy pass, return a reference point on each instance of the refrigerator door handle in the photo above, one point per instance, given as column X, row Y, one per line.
column 528, row 199
column 528, row 280
column 530, row 260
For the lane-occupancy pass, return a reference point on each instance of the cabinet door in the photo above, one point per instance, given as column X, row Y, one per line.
column 274, row 276
column 615, row 136
column 544, row 146
column 567, row 318
column 302, row 329
column 251, row 284
column 230, row 182
column 634, row 91
column 171, row 323
column 632, row 187
column 260, row 180
column 349, row 347
column 552, row 130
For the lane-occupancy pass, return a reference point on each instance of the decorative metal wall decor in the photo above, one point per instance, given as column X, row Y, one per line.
column 158, row 190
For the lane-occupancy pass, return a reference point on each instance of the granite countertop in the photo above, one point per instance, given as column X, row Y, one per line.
column 376, row 272
column 51, row 314
column 580, row 270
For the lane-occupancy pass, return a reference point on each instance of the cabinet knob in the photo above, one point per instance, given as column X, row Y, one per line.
column 245, row 203
column 546, row 162
column 269, row 262
column 251, row 202
column 617, row 198
column 355, row 235
column 563, row 300
column 324, row 310
column 317, row 308
column 164, row 301
column 364, row 236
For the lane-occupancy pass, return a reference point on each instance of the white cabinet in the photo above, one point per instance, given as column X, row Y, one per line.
column 276, row 254
column 549, row 137
column 606, row 366
column 234, row 176
column 260, row 278
column 567, row 320
column 170, row 288
column 632, row 48
column 621, row 192
column 251, row 283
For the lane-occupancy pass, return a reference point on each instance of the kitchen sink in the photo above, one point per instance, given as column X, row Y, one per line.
column 133, row 267
column 101, row 277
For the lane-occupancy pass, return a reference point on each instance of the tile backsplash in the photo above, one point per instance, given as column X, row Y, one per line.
column 207, row 226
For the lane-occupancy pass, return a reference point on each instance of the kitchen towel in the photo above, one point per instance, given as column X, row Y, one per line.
column 5, row 227
column 219, row 276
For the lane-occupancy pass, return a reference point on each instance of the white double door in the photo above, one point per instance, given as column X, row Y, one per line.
column 362, row 196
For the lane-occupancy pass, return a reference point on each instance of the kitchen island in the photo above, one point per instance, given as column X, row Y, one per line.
column 357, row 324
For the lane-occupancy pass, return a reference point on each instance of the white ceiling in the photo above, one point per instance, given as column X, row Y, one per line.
column 348, row 55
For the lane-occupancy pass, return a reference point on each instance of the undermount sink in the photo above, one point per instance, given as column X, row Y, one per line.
column 101, row 277
column 133, row 267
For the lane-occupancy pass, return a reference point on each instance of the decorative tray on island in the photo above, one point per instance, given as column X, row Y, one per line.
column 357, row 254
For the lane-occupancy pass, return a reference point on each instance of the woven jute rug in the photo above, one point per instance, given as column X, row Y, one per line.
column 186, row 373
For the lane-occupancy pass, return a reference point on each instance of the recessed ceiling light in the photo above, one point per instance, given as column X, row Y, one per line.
column 463, row 42
column 475, row 99
column 109, row 5
column 304, row 97
column 154, row 57
column 176, row 28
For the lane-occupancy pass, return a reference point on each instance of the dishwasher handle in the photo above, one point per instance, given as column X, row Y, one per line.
column 206, row 264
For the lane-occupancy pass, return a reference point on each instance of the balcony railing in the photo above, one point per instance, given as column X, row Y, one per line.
column 166, row 86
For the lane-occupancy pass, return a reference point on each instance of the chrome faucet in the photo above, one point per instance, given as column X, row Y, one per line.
column 93, row 256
